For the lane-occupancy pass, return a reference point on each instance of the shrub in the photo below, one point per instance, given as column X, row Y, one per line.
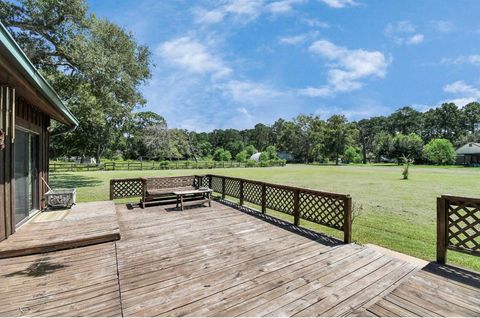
column 272, row 152
column 352, row 154
column 440, row 151
column 164, row 164
column 250, row 150
column 221, row 154
column 242, row 156
column 251, row 163
column 263, row 157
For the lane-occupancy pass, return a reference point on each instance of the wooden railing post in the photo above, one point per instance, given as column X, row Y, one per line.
column 111, row 190
column 347, row 220
column 209, row 181
column 441, row 230
column 264, row 198
column 223, row 188
column 296, row 207
column 241, row 192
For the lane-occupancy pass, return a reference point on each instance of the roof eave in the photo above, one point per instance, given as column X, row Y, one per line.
column 34, row 77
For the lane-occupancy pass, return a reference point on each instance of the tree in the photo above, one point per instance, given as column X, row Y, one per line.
column 405, row 120
column 440, row 151
column 338, row 135
column 382, row 145
column 263, row 157
column 272, row 152
column 352, row 154
column 409, row 146
column 221, row 154
column 367, row 130
column 472, row 116
column 250, row 150
column 242, row 156
column 95, row 66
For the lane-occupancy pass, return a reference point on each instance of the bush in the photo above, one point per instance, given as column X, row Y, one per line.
column 272, row 152
column 263, row 157
column 242, row 156
column 352, row 154
column 250, row 150
column 222, row 155
column 440, row 151
column 251, row 163
column 164, row 164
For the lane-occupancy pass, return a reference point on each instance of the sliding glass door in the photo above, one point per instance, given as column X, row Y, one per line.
column 26, row 174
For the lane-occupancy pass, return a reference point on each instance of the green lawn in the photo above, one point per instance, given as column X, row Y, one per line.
column 397, row 214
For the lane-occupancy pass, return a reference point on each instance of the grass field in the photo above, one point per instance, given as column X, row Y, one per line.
column 397, row 214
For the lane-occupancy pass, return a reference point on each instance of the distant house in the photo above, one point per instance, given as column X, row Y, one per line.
column 469, row 154
column 27, row 105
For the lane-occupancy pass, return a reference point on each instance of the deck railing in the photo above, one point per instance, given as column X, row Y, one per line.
column 458, row 226
column 333, row 210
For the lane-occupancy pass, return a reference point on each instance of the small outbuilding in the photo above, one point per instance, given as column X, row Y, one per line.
column 469, row 154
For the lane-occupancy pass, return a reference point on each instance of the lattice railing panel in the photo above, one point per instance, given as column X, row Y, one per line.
column 203, row 182
column 232, row 187
column 252, row 192
column 464, row 225
column 126, row 188
column 322, row 210
column 217, row 184
column 280, row 199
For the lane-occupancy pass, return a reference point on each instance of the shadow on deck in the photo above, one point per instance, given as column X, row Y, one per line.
column 227, row 261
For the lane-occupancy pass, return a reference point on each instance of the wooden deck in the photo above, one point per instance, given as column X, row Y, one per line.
column 85, row 224
column 220, row 261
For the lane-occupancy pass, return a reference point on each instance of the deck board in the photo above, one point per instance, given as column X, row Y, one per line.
column 76, row 282
column 222, row 262
column 433, row 291
column 85, row 224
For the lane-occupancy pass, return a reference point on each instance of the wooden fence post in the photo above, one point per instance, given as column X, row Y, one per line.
column 241, row 192
column 441, row 230
column 223, row 188
column 264, row 198
column 296, row 207
column 209, row 181
column 347, row 220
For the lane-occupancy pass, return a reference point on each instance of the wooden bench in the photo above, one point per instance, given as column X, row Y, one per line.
column 158, row 188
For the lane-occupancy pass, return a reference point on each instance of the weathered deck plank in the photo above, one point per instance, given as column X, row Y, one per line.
column 219, row 261
column 77, row 282
column 85, row 224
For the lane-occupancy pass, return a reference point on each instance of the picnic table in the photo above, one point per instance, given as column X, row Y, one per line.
column 206, row 194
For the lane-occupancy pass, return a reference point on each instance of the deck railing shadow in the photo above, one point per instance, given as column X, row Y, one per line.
column 454, row 273
column 316, row 236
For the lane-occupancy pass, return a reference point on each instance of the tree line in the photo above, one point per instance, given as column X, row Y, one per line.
column 97, row 68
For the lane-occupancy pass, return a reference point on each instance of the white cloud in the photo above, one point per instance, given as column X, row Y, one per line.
column 443, row 26
column 348, row 68
column 243, row 10
column 193, row 56
column 415, row 39
column 466, row 93
column 248, row 92
column 314, row 23
column 282, row 6
column 338, row 4
column 469, row 59
column 460, row 87
column 403, row 32
column 298, row 39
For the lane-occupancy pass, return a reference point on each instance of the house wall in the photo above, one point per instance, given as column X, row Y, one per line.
column 30, row 117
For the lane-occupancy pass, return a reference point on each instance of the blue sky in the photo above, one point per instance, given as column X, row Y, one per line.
column 234, row 63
